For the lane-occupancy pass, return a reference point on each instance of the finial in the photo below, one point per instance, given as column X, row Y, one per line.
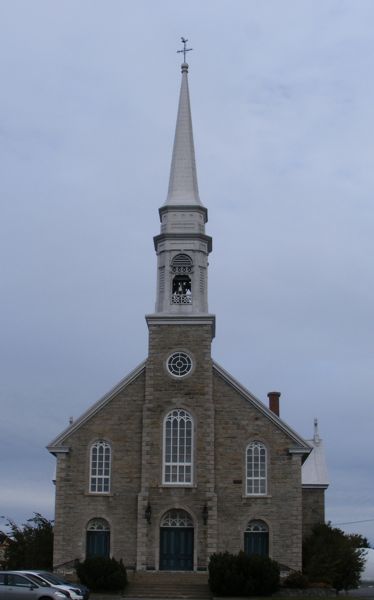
column 316, row 437
column 184, row 42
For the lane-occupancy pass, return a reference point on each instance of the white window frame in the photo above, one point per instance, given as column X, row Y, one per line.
column 100, row 470
column 256, row 469
column 178, row 449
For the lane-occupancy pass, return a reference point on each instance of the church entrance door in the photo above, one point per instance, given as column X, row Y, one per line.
column 176, row 541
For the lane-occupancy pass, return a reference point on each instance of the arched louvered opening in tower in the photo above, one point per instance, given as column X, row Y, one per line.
column 181, row 268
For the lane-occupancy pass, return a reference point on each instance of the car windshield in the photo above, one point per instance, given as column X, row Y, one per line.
column 38, row 580
column 52, row 578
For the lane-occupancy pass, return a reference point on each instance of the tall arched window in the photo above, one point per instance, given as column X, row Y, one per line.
column 178, row 448
column 100, row 465
column 181, row 267
column 256, row 469
column 256, row 538
column 98, row 538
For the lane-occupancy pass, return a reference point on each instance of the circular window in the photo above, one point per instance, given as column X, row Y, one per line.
column 179, row 364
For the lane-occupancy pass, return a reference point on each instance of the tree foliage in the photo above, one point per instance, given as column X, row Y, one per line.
column 334, row 557
column 102, row 574
column 30, row 544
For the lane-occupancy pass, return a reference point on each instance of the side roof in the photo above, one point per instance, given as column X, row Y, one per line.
column 56, row 445
column 314, row 472
column 301, row 445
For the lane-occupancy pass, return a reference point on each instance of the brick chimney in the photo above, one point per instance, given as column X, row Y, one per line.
column 274, row 402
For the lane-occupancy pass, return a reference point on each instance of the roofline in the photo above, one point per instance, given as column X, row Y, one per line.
column 55, row 445
column 303, row 446
column 315, row 486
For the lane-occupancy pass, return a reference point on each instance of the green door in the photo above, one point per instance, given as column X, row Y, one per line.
column 176, row 548
column 98, row 544
column 256, row 542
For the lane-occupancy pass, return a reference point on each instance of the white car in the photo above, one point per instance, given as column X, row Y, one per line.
column 16, row 586
column 74, row 591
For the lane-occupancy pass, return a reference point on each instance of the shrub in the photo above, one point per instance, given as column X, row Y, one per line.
column 102, row 574
column 242, row 575
column 296, row 581
column 334, row 557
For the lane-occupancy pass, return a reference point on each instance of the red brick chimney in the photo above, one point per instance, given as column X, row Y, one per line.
column 274, row 402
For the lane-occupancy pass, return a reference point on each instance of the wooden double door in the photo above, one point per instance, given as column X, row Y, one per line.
column 176, row 548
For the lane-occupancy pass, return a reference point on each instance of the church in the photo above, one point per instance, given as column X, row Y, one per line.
column 179, row 460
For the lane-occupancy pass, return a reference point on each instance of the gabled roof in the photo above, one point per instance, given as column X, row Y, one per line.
column 301, row 445
column 56, row 446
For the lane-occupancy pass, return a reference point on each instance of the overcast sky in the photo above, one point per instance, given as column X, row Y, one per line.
column 282, row 99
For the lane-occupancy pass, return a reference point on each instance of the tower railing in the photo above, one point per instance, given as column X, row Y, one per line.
column 181, row 299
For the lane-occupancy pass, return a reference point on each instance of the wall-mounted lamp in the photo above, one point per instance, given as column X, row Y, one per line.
column 148, row 513
column 205, row 514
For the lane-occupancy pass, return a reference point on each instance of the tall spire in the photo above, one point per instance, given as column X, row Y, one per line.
column 183, row 188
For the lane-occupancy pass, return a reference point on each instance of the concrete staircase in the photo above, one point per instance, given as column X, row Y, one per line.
column 168, row 584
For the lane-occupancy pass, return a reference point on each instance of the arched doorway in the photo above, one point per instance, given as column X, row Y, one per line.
column 256, row 538
column 176, row 541
column 98, row 538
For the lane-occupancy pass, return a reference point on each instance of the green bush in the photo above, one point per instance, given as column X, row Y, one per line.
column 242, row 575
column 334, row 557
column 296, row 581
column 102, row 574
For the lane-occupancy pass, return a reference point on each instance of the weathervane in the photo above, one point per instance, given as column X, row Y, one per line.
column 184, row 42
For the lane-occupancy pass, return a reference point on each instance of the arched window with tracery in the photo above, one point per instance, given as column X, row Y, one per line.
column 98, row 538
column 181, row 268
column 256, row 469
column 178, row 448
column 100, row 466
column 256, row 538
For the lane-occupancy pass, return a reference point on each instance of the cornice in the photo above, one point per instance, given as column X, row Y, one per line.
column 183, row 236
column 172, row 319
column 183, row 208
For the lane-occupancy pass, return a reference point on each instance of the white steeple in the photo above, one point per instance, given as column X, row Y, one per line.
column 182, row 246
column 183, row 188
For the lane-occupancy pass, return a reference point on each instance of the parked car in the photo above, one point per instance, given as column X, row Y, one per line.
column 76, row 591
column 16, row 586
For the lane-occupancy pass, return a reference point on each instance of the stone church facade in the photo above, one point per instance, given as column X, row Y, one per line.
column 179, row 460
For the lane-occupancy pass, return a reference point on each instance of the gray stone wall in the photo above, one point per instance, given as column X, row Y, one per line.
column 313, row 508
column 163, row 393
column 224, row 424
column 237, row 423
column 119, row 423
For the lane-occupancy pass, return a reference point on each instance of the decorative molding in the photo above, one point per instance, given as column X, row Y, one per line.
column 165, row 319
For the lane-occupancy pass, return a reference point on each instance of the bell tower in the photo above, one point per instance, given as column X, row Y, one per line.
column 182, row 247
column 179, row 374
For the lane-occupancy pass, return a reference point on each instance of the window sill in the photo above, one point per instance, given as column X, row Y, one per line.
column 256, row 496
column 178, row 485
column 99, row 494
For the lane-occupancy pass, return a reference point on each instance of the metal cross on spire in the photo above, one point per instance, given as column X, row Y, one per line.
column 184, row 42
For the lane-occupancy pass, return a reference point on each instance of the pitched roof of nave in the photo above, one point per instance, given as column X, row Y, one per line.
column 300, row 445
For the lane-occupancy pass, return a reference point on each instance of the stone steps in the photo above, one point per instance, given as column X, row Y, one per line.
column 168, row 585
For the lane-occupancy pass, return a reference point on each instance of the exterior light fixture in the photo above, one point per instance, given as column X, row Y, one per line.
column 148, row 513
